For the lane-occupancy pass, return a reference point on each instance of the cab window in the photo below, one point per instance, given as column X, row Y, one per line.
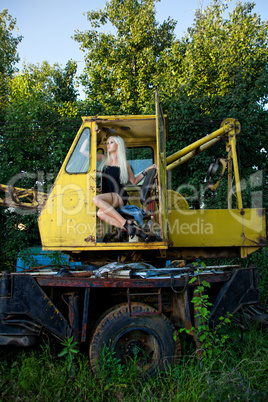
column 139, row 158
column 79, row 160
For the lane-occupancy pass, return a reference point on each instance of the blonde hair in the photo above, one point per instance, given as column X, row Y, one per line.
column 121, row 156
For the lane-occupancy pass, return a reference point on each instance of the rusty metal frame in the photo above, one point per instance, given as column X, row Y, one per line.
column 149, row 283
column 158, row 293
column 85, row 315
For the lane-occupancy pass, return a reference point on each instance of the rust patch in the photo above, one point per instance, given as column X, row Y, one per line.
column 90, row 239
column 93, row 178
column 262, row 241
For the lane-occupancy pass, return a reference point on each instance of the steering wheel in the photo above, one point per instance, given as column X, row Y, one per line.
column 146, row 187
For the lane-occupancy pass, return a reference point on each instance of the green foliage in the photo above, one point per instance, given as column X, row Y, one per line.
column 63, row 86
column 110, row 369
column 219, row 57
column 41, row 120
column 212, row 341
column 121, row 67
column 260, row 259
column 39, row 127
column 8, row 54
column 16, row 234
column 69, row 352
column 240, row 375
column 218, row 70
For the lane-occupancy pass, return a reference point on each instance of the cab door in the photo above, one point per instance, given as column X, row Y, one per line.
column 161, row 136
column 68, row 220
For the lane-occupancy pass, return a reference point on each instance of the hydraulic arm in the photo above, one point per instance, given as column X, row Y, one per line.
column 228, row 131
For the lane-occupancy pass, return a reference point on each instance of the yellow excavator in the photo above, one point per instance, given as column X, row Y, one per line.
column 68, row 221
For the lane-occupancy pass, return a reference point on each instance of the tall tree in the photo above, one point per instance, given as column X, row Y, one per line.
column 219, row 69
column 41, row 99
column 8, row 53
column 41, row 120
column 120, row 67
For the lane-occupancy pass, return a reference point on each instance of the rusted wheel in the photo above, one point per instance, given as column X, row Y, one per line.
column 146, row 339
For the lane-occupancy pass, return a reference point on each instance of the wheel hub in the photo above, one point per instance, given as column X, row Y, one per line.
column 134, row 348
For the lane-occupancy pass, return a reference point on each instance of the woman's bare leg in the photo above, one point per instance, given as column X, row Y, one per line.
column 107, row 203
column 108, row 219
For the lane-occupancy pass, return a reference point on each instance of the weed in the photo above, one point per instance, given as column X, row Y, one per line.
column 115, row 376
column 69, row 352
column 211, row 342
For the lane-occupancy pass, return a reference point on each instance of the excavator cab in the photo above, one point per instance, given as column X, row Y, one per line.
column 69, row 221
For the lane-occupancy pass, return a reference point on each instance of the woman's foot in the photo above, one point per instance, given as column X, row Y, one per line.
column 130, row 228
column 140, row 233
column 134, row 230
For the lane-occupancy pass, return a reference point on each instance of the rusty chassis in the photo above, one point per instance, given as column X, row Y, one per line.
column 27, row 311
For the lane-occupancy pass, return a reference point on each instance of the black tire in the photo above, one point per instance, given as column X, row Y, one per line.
column 149, row 338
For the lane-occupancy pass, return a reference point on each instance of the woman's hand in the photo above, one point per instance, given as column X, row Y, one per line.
column 151, row 167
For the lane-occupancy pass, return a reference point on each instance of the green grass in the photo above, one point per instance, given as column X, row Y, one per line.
column 239, row 373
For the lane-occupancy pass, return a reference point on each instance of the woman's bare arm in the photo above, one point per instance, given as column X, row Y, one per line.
column 135, row 180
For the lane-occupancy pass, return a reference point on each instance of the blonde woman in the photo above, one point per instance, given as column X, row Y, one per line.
column 116, row 172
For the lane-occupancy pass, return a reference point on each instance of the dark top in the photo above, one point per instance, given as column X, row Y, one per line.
column 111, row 182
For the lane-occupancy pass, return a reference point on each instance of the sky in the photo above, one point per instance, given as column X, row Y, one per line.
column 47, row 26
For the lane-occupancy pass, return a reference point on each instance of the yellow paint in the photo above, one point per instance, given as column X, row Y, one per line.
column 217, row 228
column 69, row 215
